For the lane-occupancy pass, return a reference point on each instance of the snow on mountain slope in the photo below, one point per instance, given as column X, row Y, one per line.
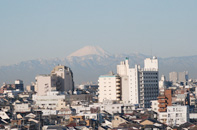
column 89, row 50
column 89, row 63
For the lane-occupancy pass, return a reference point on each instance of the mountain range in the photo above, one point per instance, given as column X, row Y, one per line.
column 89, row 62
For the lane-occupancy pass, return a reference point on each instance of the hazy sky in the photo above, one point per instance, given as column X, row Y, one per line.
column 55, row 28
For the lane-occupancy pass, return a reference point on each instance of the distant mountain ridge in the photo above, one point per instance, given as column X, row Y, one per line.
column 89, row 63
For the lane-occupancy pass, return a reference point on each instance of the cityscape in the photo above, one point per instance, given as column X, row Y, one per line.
column 130, row 98
column 98, row 65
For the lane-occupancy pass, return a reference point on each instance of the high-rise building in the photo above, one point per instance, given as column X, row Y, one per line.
column 122, row 71
column 109, row 87
column 62, row 79
column 131, row 85
column 139, row 85
column 173, row 76
column 179, row 77
column 183, row 76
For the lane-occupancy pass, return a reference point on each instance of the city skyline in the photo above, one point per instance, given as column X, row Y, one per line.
column 48, row 29
column 98, row 65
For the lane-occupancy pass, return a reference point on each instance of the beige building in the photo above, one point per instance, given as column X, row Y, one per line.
column 43, row 84
column 109, row 87
column 62, row 78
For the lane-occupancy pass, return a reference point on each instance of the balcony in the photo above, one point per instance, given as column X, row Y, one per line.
column 162, row 110
column 117, row 79
column 117, row 87
column 142, row 98
column 141, row 91
column 162, row 105
column 142, row 95
column 118, row 99
column 118, row 84
column 118, row 95
column 161, row 97
column 117, row 91
column 162, row 101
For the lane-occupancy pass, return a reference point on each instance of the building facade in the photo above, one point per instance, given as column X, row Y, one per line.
column 43, row 84
column 139, row 85
column 183, row 77
column 173, row 76
column 109, row 87
column 49, row 101
column 62, row 78
column 177, row 115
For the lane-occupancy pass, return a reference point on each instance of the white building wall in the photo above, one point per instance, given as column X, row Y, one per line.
column 123, row 68
column 49, row 112
column 134, row 85
column 109, row 86
column 162, row 117
column 18, row 81
column 162, row 84
column 49, row 101
column 43, row 84
column 151, row 64
column 154, row 105
column 125, row 89
column 23, row 107
column 177, row 115
column 140, row 81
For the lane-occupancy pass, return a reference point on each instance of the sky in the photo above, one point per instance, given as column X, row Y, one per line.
column 49, row 29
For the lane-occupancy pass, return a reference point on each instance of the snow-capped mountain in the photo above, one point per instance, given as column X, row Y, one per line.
column 89, row 63
column 89, row 50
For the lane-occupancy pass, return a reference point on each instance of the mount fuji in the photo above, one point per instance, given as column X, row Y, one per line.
column 89, row 62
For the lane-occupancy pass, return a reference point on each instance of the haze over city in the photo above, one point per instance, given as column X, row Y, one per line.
column 49, row 29
column 98, row 65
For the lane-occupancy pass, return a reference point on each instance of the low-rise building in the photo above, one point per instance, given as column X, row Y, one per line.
column 49, row 101
column 177, row 115
column 22, row 107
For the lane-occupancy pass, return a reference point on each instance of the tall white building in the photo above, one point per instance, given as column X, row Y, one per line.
column 122, row 71
column 139, row 85
column 177, row 115
column 162, row 84
column 62, row 78
column 109, row 87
